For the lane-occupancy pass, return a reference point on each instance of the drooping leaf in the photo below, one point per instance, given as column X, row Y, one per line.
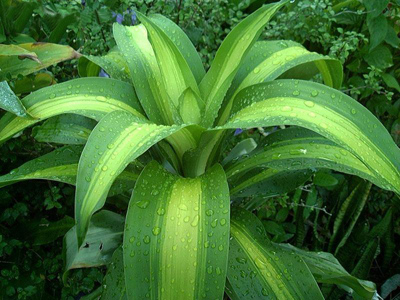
column 180, row 244
column 89, row 97
column 62, row 165
column 104, row 236
column 390, row 285
column 119, row 138
column 326, row 269
column 268, row 60
column 229, row 57
column 45, row 232
column 244, row 147
column 10, row 102
column 64, row 129
column 46, row 54
column 268, row 182
column 288, row 150
column 327, row 112
column 113, row 63
column 260, row 269
column 27, row 84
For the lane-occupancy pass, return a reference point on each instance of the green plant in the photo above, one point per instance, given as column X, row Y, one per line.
column 176, row 232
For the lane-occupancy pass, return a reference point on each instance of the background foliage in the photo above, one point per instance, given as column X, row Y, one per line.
column 332, row 212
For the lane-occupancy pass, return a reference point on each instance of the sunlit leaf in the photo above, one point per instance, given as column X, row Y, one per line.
column 177, row 235
column 118, row 139
column 89, row 97
column 259, row 269
column 268, row 60
column 45, row 55
column 185, row 46
column 327, row 112
column 146, row 76
column 229, row 57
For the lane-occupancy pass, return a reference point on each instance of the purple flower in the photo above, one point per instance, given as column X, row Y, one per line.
column 103, row 74
column 83, row 2
column 238, row 131
column 133, row 16
column 118, row 17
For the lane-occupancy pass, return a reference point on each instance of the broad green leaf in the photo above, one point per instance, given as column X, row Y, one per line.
column 15, row 50
column 267, row 60
column 9, row 101
column 45, row 232
column 113, row 63
column 47, row 54
column 375, row 8
column 325, row 179
column 380, row 57
column 185, row 46
column 293, row 149
column 62, row 165
column 244, row 147
column 146, row 76
column 391, row 37
column 327, row 112
column 175, row 71
column 114, row 281
column 119, row 138
column 87, row 68
column 390, row 285
column 89, row 97
column 27, row 84
column 259, row 269
column 104, row 236
column 59, row 165
column 229, row 57
column 58, row 32
column 177, row 235
column 391, row 81
column 326, row 269
column 268, row 182
column 378, row 28
column 64, row 129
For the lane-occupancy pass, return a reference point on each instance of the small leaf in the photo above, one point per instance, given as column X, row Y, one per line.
column 378, row 28
column 391, row 81
column 380, row 57
column 189, row 107
column 10, row 102
column 103, row 237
